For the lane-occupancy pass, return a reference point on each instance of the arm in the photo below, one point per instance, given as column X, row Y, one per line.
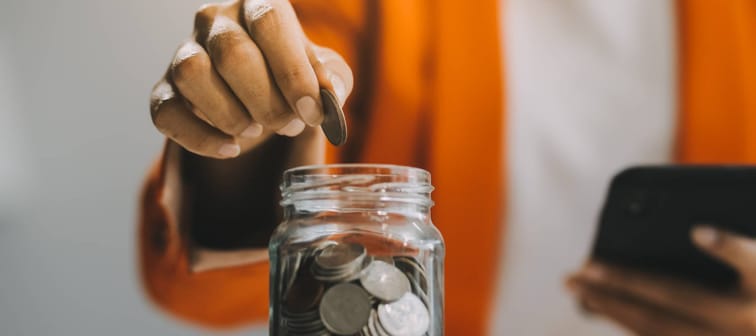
column 207, row 212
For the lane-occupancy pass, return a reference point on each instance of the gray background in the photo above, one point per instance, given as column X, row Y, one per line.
column 75, row 142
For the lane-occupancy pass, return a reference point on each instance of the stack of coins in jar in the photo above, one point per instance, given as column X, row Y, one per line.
column 354, row 265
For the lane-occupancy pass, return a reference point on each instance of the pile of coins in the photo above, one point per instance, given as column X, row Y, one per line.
column 339, row 289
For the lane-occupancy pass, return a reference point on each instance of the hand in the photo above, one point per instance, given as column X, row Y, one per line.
column 649, row 304
column 247, row 72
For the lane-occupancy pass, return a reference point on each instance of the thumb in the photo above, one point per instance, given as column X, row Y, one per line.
column 735, row 250
column 332, row 71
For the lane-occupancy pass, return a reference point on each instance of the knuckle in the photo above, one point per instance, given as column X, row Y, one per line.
column 256, row 9
column 155, row 112
column 227, row 50
column 161, row 93
column 204, row 14
column 189, row 69
column 160, row 118
column 296, row 78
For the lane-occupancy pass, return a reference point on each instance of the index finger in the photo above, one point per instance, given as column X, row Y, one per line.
column 274, row 27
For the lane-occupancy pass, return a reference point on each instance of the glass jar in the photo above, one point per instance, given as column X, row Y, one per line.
column 356, row 253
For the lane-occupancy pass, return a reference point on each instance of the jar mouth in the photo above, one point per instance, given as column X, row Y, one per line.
column 357, row 181
column 361, row 168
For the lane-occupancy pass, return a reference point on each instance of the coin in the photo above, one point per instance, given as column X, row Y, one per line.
column 407, row 316
column 414, row 270
column 373, row 327
column 387, row 259
column 345, row 309
column 334, row 124
column 338, row 288
column 339, row 255
column 384, row 281
column 419, row 291
column 307, row 323
column 340, row 262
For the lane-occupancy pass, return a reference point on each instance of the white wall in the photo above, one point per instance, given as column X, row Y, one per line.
column 75, row 77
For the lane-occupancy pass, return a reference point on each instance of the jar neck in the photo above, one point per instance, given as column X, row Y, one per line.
column 356, row 188
column 335, row 207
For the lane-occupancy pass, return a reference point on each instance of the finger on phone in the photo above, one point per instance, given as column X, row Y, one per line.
column 274, row 27
column 173, row 118
column 242, row 66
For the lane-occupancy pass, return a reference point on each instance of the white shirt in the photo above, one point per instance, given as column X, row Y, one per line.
column 590, row 90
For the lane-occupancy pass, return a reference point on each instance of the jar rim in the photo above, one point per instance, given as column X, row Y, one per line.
column 355, row 181
column 391, row 168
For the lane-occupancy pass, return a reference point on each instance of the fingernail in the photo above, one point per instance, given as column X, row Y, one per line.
column 229, row 150
column 253, row 131
column 339, row 89
column 705, row 235
column 593, row 272
column 308, row 109
column 293, row 128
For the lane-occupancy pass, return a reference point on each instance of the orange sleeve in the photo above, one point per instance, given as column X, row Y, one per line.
column 232, row 296
column 224, row 298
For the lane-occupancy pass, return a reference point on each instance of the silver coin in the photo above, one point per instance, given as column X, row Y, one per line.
column 334, row 124
column 377, row 327
column 414, row 270
column 304, row 325
column 359, row 269
column 365, row 331
column 387, row 259
column 339, row 256
column 384, row 281
column 298, row 316
column 345, row 309
column 342, row 275
column 417, row 290
column 373, row 324
column 340, row 263
column 407, row 316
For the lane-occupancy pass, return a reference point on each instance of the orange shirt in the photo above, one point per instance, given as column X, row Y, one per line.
column 428, row 93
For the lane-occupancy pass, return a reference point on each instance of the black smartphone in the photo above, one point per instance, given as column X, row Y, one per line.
column 650, row 210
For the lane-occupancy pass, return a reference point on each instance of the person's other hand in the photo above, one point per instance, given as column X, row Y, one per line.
column 649, row 304
column 247, row 72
